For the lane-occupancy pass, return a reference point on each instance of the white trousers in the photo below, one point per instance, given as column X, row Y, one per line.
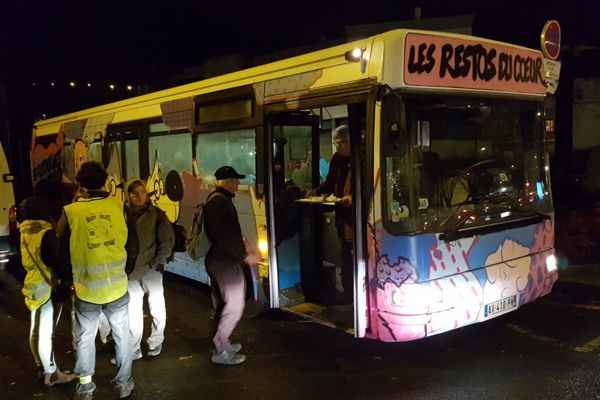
column 40, row 337
column 152, row 284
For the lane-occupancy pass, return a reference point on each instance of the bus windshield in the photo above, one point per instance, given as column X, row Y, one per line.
column 463, row 163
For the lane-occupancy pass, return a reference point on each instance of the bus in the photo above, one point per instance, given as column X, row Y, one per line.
column 452, row 210
column 8, row 213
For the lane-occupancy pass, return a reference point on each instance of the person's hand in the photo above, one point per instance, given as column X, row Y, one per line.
column 252, row 258
column 346, row 200
column 312, row 193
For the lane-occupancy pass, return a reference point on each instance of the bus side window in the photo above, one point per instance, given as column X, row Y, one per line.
column 95, row 151
column 235, row 148
column 172, row 151
column 132, row 158
column 68, row 162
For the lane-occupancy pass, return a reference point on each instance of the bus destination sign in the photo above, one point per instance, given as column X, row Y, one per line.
column 439, row 61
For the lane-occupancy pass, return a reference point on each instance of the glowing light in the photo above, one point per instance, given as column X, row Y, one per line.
column 89, row 85
column 129, row 87
column 551, row 264
column 505, row 214
column 51, row 83
column 483, row 149
column 398, row 297
column 72, row 84
column 353, row 55
column 263, row 246
column 111, row 86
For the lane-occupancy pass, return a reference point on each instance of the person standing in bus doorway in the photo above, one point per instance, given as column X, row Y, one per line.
column 39, row 251
column 149, row 246
column 225, row 260
column 93, row 233
column 339, row 184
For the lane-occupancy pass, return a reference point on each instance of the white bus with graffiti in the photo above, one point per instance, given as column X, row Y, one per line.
column 452, row 211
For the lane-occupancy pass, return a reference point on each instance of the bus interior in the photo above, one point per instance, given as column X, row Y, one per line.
column 308, row 247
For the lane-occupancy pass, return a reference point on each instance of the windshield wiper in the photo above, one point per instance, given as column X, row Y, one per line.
column 521, row 217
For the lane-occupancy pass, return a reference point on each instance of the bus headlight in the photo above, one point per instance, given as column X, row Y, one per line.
column 551, row 264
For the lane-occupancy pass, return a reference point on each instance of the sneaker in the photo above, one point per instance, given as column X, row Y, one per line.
column 58, row 378
column 125, row 390
column 107, row 340
column 235, row 347
column 227, row 357
column 136, row 356
column 154, row 351
column 84, row 396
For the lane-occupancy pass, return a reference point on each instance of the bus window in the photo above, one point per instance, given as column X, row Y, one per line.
column 68, row 163
column 173, row 151
column 95, row 152
column 132, row 159
column 235, row 148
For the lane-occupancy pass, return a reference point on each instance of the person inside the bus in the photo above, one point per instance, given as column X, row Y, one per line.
column 338, row 188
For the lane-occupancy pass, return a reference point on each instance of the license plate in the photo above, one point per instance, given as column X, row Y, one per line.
column 500, row 306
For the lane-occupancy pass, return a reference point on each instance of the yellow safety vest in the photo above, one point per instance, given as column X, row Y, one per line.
column 36, row 288
column 97, row 247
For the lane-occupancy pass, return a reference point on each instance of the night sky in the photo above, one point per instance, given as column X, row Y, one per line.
column 132, row 42
column 137, row 42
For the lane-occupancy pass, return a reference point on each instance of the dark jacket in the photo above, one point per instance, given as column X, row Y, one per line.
column 223, row 229
column 150, row 240
column 339, row 183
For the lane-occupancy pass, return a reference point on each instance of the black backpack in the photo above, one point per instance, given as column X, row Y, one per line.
column 180, row 239
column 180, row 236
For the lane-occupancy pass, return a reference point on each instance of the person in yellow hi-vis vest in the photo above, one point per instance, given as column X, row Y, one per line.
column 93, row 233
column 39, row 259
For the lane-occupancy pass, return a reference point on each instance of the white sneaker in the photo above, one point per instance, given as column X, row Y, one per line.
column 227, row 357
column 235, row 347
column 125, row 390
column 154, row 351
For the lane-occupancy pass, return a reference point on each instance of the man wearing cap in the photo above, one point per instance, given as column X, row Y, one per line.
column 224, row 263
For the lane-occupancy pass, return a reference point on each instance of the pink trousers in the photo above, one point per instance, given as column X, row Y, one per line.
column 228, row 288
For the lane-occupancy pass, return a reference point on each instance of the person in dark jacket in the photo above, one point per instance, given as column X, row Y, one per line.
column 225, row 261
column 339, row 184
column 149, row 245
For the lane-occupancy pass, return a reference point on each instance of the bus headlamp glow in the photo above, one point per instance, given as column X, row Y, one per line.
column 551, row 264
column 398, row 298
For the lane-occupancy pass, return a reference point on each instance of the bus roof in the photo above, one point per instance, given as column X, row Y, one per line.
column 402, row 59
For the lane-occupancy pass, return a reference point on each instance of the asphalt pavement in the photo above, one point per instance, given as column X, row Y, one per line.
column 584, row 275
column 292, row 358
